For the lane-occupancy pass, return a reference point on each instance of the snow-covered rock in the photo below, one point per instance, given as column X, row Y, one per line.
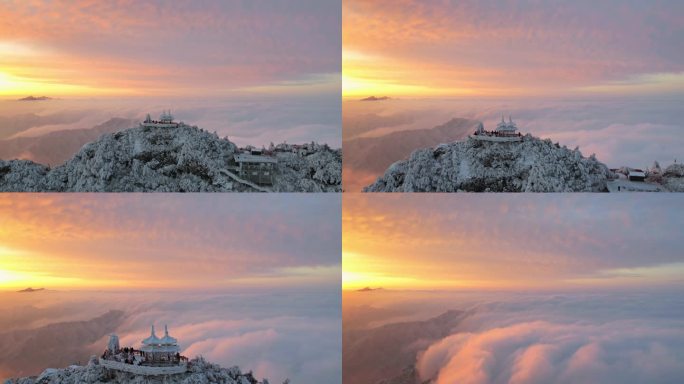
column 182, row 159
column 22, row 175
column 317, row 172
column 199, row 372
column 530, row 165
column 673, row 177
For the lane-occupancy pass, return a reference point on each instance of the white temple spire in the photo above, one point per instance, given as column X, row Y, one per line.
column 153, row 339
column 506, row 127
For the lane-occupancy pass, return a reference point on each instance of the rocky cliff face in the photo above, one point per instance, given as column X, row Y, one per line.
column 199, row 372
column 531, row 165
column 183, row 159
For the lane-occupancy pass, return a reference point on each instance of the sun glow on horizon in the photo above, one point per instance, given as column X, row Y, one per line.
column 17, row 86
column 364, row 75
column 438, row 243
column 9, row 278
column 12, row 280
column 21, row 269
column 360, row 271
column 356, row 274
column 108, row 241
column 362, row 86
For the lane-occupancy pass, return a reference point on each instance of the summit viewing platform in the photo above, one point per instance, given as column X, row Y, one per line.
column 156, row 356
column 165, row 121
column 506, row 131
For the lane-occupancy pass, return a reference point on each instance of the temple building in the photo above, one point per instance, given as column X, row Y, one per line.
column 506, row 131
column 165, row 121
column 506, row 128
column 157, row 356
column 156, row 351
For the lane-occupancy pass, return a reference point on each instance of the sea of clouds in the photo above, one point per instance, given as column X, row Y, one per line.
column 564, row 338
column 290, row 334
column 246, row 120
column 632, row 132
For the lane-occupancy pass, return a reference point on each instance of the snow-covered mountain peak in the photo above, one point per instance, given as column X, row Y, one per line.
column 475, row 165
column 177, row 158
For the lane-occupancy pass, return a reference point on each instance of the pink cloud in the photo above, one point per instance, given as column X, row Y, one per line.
column 548, row 241
column 174, row 47
column 133, row 235
column 517, row 45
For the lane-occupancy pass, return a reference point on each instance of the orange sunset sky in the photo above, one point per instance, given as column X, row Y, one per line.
column 111, row 241
column 141, row 48
column 515, row 48
column 498, row 241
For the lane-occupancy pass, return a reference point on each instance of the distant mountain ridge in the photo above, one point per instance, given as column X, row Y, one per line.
column 35, row 98
column 373, row 98
column 69, row 338
column 11, row 125
column 369, row 289
column 398, row 344
column 374, row 154
column 30, row 289
column 57, row 147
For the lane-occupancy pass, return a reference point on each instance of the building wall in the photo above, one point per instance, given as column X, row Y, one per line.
column 260, row 173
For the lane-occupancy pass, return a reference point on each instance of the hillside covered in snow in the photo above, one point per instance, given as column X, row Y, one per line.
column 177, row 159
column 672, row 177
column 199, row 372
column 372, row 155
column 56, row 147
column 472, row 165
